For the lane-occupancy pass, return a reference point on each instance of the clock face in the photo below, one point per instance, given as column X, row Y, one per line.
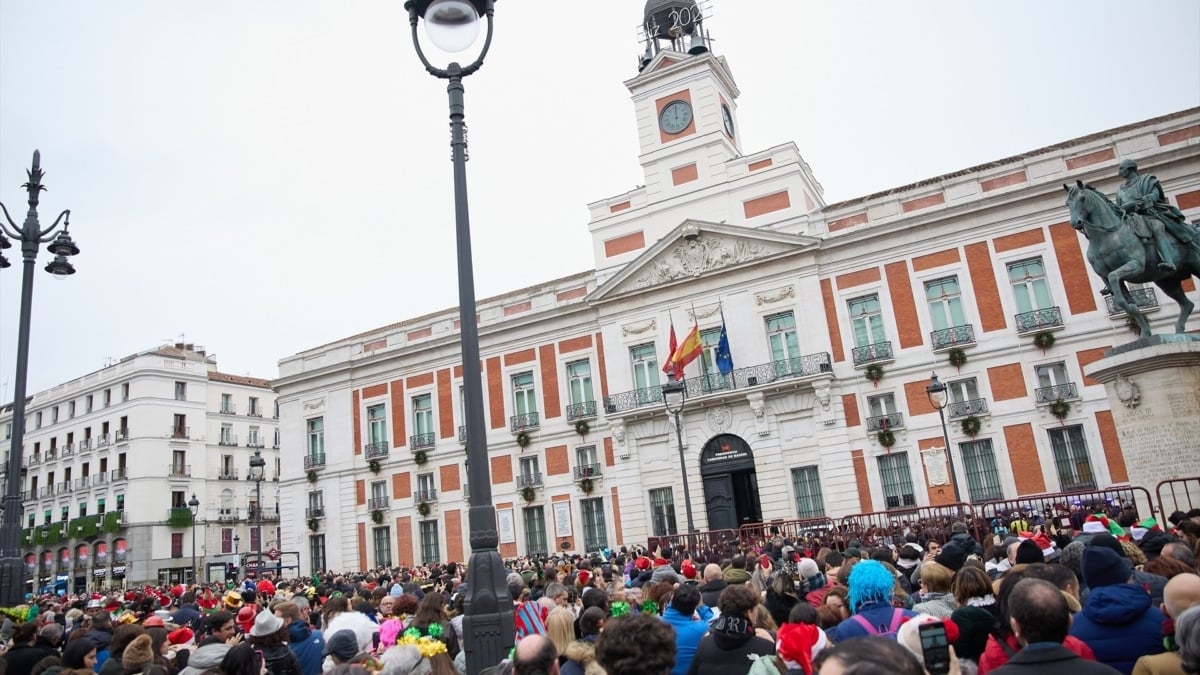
column 728, row 119
column 675, row 117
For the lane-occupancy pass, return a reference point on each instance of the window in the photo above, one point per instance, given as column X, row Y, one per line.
column 882, row 413
column 227, row 406
column 255, row 539
column 107, row 397
column 781, row 336
column 226, row 508
column 579, row 382
column 66, row 513
column 866, row 321
column 426, row 486
column 226, row 540
column 125, row 391
column 379, row 494
column 712, row 377
column 662, row 512
column 645, row 373
column 176, row 544
column 227, row 437
column 252, row 440
column 1030, row 289
column 71, row 410
column 47, row 517
column 881, row 404
column 178, row 499
column 897, row 481
column 531, row 473
column 179, row 426
column 120, row 502
column 377, row 423
column 524, row 394
column 983, row 480
column 1071, row 459
column 1053, row 383
column 382, row 540
column 423, row 414
column 430, row 552
column 276, row 442
column 586, row 458
column 806, row 486
column 255, row 407
column 316, row 437
column 54, row 415
column 179, row 463
column 316, row 503
column 595, row 531
column 276, row 415
column 38, row 418
column 82, row 509
column 181, row 391
column 88, row 403
column 100, row 506
column 535, row 530
column 316, row 552
column 945, row 303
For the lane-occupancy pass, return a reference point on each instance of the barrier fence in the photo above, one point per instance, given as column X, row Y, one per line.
column 1180, row 494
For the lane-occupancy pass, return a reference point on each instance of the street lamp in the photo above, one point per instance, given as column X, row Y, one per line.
column 194, row 507
column 31, row 236
column 257, row 472
column 452, row 26
column 674, row 393
column 936, row 391
column 237, row 541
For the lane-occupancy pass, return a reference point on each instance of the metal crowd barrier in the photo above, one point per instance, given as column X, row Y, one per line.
column 1179, row 494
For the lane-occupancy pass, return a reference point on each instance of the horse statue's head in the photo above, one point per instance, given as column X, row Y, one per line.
column 1089, row 207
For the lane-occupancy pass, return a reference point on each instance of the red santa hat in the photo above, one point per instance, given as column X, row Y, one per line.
column 643, row 563
column 207, row 601
column 689, row 569
column 584, row 577
column 1097, row 524
column 177, row 590
column 1045, row 544
column 796, row 643
column 112, row 605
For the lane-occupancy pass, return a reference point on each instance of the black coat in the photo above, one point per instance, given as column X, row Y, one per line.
column 711, row 591
column 724, row 652
column 1054, row 660
column 22, row 658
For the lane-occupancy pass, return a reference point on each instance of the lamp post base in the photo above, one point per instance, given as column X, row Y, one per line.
column 488, row 622
column 12, row 580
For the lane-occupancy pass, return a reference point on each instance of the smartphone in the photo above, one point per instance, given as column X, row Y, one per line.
column 935, row 648
column 258, row 653
column 375, row 641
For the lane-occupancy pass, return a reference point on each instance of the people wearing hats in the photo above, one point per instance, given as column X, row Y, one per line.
column 871, row 592
column 138, row 655
column 268, row 634
column 188, row 611
column 1038, row 621
column 1153, row 583
column 220, row 629
column 307, row 644
column 341, row 647
column 1117, row 620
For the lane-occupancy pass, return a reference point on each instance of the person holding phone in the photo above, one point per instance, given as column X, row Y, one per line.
column 268, row 636
column 244, row 660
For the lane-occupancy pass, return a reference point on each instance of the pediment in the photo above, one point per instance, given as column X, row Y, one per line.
column 696, row 248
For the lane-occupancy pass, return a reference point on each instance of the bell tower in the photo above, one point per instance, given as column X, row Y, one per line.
column 684, row 95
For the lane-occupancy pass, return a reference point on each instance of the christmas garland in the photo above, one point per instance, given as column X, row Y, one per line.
column 971, row 425
column 1044, row 340
column 527, row 493
column 423, row 509
column 312, row 476
column 582, row 428
column 377, row 516
column 886, row 438
column 874, row 373
column 314, row 524
column 586, row 485
column 957, row 357
column 522, row 439
column 420, row 457
column 373, row 465
column 1060, row 408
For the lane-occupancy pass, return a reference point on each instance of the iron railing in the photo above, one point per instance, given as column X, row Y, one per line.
column 1039, row 319
column 377, row 503
column 429, row 495
column 120, row 473
column 178, row 432
column 882, row 422
column 974, row 407
column 581, row 411
column 229, row 409
column 587, row 471
column 956, row 336
column 228, row 440
column 1143, row 298
column 1059, row 391
column 66, row 450
column 123, row 435
column 422, row 441
column 376, row 450
column 180, row 470
column 102, row 441
column 314, row 512
column 525, row 480
column 227, row 474
column 872, row 353
column 314, row 461
column 523, row 422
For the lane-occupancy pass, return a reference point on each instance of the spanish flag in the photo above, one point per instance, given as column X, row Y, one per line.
column 688, row 350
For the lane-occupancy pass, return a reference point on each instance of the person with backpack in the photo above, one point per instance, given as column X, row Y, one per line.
column 870, row 600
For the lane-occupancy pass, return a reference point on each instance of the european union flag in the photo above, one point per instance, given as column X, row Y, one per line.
column 723, row 357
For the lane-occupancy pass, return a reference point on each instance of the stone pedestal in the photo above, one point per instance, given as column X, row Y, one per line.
column 1153, row 387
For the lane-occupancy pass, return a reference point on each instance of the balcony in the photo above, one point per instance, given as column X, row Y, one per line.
column 46, row 491
column 784, row 370
column 254, row 412
column 973, row 408
column 427, row 495
column 102, row 477
column 1144, row 299
column 123, row 435
column 523, row 422
column 81, row 483
column 179, row 432
column 883, row 422
column 179, row 471
column 377, row 450
column 102, row 441
column 587, row 471
column 314, row 512
column 581, row 411
column 228, row 409
column 1038, row 320
column 229, row 440
column 180, row 516
column 267, row 515
column 375, row 503
column 949, row 338
column 226, row 516
column 67, row 450
column 872, row 353
column 62, row 487
column 422, row 441
column 227, row 474
column 254, row 443
column 314, row 461
column 525, row 480
column 1047, row 395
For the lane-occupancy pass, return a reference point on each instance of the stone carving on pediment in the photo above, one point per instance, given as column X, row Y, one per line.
column 637, row 329
column 719, row 419
column 700, row 254
column 704, row 312
column 315, row 404
column 769, row 297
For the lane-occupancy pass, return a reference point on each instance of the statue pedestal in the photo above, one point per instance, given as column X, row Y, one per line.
column 1153, row 388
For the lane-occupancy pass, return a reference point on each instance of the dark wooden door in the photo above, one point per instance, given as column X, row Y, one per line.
column 718, row 496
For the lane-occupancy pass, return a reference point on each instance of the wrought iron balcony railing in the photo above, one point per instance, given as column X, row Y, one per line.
column 524, row 422
column 525, row 480
column 81, row 483
column 872, row 353
column 102, row 441
column 179, row 470
column 229, row 409
column 1039, row 320
column 427, row 495
column 587, row 471
column 314, row 512
column 1144, row 299
column 1048, row 395
column 377, row 503
column 973, row 408
column 422, row 441
column 121, row 473
column 314, row 461
column 228, row 440
column 255, row 443
column 741, row 378
column 881, row 422
column 227, row 474
column 581, row 411
column 179, row 432
column 66, row 450
column 376, row 450
column 956, row 336
column 123, row 435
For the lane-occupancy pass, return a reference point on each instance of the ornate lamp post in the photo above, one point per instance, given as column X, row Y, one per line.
column 257, row 472
column 936, row 391
column 31, row 236
column 674, row 394
column 453, row 26
column 194, row 507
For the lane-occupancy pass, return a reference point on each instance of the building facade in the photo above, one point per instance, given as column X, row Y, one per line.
column 112, row 459
column 836, row 315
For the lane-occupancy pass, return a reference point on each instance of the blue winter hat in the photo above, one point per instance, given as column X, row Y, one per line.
column 1103, row 567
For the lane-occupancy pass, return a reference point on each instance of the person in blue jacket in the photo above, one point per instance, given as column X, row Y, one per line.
column 1117, row 621
column 870, row 599
column 681, row 614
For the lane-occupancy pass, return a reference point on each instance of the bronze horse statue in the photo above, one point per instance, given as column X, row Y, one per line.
column 1117, row 254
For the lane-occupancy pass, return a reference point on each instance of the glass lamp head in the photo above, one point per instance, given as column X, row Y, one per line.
column 936, row 391
column 673, row 395
column 452, row 25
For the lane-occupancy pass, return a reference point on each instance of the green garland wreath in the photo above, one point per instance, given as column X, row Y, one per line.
column 1060, row 408
column 587, row 486
column 312, row 476
column 522, row 439
column 373, row 465
column 971, row 425
column 582, row 427
column 377, row 516
column 1044, row 340
column 423, row 509
column 314, row 524
column 527, row 493
column 957, row 357
column 874, row 373
column 886, row 438
column 420, row 457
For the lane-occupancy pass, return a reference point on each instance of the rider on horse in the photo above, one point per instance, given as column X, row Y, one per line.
column 1151, row 215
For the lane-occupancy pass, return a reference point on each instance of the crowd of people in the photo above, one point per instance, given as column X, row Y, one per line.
column 1111, row 595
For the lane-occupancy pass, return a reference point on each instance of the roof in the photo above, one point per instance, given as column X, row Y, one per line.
column 239, row 379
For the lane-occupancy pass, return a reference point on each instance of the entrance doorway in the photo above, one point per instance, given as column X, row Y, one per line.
column 730, row 483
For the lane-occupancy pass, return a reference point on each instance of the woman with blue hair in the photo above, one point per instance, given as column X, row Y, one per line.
column 870, row 600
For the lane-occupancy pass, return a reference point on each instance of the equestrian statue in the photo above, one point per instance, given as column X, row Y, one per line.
column 1140, row 238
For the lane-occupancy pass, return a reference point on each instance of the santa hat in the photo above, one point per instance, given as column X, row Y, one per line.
column 207, row 601
column 1144, row 527
column 689, row 569
column 643, row 563
column 797, row 642
column 176, row 590
column 1045, row 544
column 181, row 636
column 584, row 577
column 112, row 605
column 1097, row 524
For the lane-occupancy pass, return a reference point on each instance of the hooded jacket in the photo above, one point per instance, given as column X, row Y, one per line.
column 725, row 649
column 1120, row 625
column 737, row 575
column 206, row 656
column 688, row 633
column 307, row 645
column 711, row 592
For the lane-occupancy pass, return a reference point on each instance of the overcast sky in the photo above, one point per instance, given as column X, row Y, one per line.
column 266, row 176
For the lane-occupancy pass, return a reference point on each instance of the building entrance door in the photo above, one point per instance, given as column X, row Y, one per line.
column 730, row 483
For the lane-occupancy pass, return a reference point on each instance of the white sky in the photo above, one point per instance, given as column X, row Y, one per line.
column 266, row 176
